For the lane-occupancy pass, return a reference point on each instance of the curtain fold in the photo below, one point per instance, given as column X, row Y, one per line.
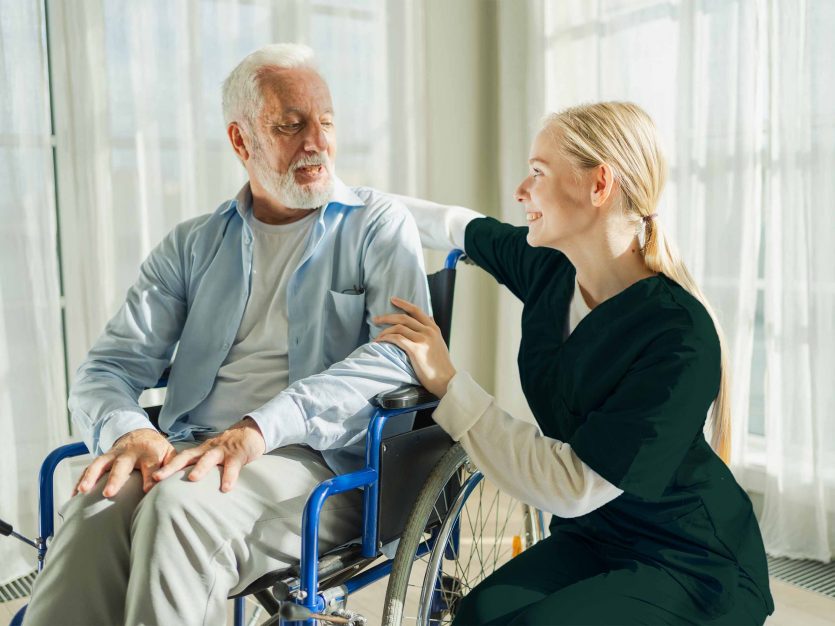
column 799, row 513
column 142, row 143
column 141, row 146
column 694, row 67
column 33, row 418
column 739, row 93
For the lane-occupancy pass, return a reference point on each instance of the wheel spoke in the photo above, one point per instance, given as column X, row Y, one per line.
column 486, row 524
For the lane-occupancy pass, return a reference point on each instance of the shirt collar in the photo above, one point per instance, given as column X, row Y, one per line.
column 342, row 195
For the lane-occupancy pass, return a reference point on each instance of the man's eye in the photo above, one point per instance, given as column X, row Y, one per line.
column 289, row 129
column 328, row 124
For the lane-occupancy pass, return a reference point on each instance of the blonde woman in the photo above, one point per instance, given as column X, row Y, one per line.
column 620, row 360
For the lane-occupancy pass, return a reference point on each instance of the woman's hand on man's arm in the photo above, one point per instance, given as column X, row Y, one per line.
column 418, row 336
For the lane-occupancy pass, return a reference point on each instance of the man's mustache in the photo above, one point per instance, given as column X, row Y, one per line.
column 311, row 160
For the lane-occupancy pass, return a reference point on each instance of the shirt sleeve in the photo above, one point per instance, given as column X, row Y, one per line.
column 538, row 470
column 441, row 226
column 131, row 354
column 640, row 434
column 503, row 251
column 332, row 409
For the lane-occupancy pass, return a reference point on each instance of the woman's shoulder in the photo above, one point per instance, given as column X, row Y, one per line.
column 680, row 317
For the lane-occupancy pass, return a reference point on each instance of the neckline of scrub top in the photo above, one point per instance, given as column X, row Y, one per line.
column 593, row 314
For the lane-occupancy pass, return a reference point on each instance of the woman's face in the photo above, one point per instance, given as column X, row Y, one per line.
column 556, row 198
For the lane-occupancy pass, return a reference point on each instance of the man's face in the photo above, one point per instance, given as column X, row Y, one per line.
column 291, row 156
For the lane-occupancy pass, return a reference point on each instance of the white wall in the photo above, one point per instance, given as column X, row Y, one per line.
column 462, row 164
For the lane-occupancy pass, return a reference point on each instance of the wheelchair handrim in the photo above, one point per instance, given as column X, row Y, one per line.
column 437, row 554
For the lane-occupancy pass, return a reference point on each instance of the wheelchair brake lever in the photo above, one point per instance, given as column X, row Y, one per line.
column 7, row 530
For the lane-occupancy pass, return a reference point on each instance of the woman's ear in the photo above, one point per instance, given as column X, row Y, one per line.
column 603, row 183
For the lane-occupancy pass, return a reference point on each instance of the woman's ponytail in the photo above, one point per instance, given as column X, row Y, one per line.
column 622, row 135
column 661, row 255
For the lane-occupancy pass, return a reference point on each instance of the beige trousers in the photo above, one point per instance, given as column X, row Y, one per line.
column 172, row 556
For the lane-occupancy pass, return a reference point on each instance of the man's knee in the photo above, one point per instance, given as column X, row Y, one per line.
column 93, row 513
column 165, row 499
column 181, row 506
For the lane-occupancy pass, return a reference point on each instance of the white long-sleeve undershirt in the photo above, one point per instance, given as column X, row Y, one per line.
column 539, row 470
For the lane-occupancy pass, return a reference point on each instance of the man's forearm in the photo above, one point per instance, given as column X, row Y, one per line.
column 331, row 409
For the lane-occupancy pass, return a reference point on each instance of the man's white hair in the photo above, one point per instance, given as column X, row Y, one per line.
column 242, row 97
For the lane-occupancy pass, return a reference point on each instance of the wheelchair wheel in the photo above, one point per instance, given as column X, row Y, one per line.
column 436, row 564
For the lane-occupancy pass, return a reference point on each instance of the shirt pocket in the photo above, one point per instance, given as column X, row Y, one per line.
column 345, row 328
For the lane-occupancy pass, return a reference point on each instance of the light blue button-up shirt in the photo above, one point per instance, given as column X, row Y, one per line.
column 192, row 291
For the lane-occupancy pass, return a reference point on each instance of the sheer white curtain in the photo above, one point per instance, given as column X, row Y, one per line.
column 739, row 93
column 799, row 514
column 33, row 418
column 142, row 145
column 692, row 67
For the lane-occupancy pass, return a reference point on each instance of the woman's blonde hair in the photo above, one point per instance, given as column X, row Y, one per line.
column 623, row 136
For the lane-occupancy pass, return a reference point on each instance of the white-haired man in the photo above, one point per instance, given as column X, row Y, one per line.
column 269, row 301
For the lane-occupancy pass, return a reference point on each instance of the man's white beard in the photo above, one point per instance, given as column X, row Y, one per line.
column 285, row 189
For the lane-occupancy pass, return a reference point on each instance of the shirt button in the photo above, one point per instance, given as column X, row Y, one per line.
column 226, row 345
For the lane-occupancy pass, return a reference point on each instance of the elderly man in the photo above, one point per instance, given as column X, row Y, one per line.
column 269, row 302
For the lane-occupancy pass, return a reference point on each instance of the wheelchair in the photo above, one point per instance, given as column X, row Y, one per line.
column 453, row 528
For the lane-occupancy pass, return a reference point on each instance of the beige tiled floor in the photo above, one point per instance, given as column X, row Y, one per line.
column 795, row 606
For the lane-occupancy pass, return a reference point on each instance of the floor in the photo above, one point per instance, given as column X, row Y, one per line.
column 496, row 516
column 795, row 606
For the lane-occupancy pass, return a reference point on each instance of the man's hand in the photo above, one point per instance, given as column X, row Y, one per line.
column 144, row 449
column 233, row 448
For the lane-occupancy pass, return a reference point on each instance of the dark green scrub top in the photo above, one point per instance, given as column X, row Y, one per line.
column 629, row 390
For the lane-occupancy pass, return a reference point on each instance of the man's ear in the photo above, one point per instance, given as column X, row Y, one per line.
column 603, row 183
column 236, row 138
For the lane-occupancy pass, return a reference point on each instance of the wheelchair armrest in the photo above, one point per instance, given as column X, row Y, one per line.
column 403, row 398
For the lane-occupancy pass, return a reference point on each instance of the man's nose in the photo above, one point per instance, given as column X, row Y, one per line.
column 316, row 139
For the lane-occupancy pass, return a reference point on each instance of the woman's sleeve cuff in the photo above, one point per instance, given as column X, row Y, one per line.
column 462, row 406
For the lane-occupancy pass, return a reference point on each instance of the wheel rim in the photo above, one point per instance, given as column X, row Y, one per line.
column 488, row 521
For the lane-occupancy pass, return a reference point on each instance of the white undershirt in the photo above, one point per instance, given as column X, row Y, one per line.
column 577, row 310
column 256, row 368
column 542, row 471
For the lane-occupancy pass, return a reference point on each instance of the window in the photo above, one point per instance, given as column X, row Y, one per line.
column 697, row 69
column 140, row 122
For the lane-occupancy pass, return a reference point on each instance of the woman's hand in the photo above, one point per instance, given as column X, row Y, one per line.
column 418, row 335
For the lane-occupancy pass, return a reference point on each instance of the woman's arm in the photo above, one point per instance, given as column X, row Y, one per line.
column 536, row 469
column 441, row 226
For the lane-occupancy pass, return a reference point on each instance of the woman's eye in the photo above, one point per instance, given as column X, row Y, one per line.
column 536, row 173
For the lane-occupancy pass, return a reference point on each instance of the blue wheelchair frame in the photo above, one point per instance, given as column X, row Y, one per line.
column 308, row 594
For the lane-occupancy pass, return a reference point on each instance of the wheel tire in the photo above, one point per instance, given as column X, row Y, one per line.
column 413, row 534
column 489, row 519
